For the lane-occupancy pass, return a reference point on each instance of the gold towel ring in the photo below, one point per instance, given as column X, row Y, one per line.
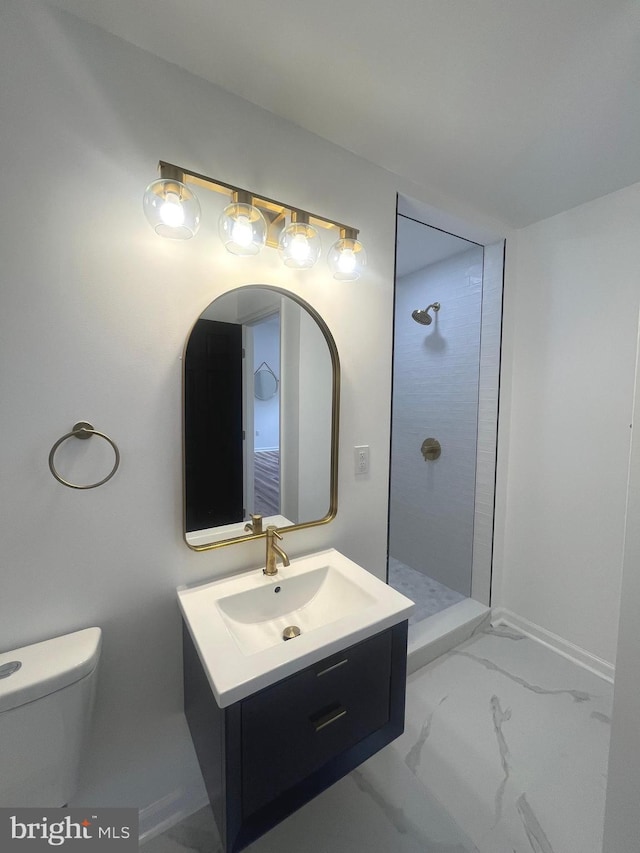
column 83, row 430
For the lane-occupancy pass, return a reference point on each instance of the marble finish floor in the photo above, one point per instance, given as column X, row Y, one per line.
column 504, row 751
column 429, row 595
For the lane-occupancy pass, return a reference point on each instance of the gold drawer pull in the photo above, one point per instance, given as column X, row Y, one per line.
column 329, row 718
column 333, row 666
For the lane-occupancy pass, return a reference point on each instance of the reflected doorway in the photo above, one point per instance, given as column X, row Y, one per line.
column 262, row 429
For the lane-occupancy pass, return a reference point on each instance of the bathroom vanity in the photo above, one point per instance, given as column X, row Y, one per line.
column 265, row 756
column 293, row 675
column 275, row 722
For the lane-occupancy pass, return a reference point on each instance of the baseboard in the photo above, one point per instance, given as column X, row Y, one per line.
column 579, row 656
column 169, row 811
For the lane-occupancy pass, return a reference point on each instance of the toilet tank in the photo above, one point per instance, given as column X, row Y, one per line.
column 46, row 705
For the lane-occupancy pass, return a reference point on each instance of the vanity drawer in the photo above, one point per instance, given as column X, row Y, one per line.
column 291, row 729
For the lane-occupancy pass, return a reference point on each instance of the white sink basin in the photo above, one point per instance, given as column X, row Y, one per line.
column 237, row 623
column 257, row 617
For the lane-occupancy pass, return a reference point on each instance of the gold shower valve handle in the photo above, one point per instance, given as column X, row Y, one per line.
column 431, row 449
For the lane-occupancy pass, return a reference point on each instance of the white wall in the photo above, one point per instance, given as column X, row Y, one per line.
column 435, row 394
column 306, row 417
column 290, row 348
column 622, row 816
column 571, row 313
column 95, row 311
column 314, row 420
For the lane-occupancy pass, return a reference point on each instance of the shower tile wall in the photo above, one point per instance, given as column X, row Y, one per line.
column 435, row 393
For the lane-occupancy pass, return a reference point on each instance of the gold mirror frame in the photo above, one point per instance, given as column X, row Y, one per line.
column 335, row 421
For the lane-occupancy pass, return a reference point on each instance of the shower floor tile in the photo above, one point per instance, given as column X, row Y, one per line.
column 429, row 595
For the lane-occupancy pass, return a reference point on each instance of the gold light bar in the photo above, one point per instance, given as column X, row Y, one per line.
column 275, row 211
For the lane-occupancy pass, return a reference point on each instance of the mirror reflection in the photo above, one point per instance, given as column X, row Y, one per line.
column 261, row 381
column 265, row 382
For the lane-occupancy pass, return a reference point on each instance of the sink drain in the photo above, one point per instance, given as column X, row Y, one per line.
column 290, row 632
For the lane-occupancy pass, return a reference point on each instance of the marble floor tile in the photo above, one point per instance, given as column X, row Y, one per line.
column 359, row 814
column 195, row 834
column 514, row 740
column 504, row 751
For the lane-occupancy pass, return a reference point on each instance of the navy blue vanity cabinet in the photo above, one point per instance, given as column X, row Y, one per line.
column 269, row 754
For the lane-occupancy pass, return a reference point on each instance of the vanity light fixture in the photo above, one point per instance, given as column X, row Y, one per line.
column 242, row 228
column 347, row 256
column 171, row 208
column 250, row 222
column 299, row 243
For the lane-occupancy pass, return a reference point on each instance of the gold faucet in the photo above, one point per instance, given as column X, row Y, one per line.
column 255, row 525
column 273, row 552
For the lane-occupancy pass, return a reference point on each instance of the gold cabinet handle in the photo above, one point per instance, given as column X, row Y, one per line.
column 332, row 667
column 327, row 719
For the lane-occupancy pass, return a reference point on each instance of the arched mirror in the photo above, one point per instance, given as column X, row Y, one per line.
column 261, row 398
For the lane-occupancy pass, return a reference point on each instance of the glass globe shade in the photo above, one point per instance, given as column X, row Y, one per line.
column 171, row 209
column 299, row 245
column 242, row 228
column 346, row 259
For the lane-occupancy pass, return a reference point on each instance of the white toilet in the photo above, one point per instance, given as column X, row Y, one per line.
column 46, row 701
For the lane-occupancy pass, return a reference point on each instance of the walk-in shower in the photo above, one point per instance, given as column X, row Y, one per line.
column 446, row 361
column 434, row 417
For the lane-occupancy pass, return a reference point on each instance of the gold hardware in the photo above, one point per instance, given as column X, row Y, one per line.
column 255, row 525
column 335, row 428
column 291, row 632
column 274, row 211
column 273, row 552
column 349, row 233
column 242, row 197
column 299, row 216
column 172, row 173
column 329, row 718
column 431, row 449
column 330, row 668
column 276, row 221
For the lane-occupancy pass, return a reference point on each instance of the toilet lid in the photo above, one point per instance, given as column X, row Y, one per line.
column 47, row 666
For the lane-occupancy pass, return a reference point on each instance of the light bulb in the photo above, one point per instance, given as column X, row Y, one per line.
column 242, row 232
column 347, row 258
column 299, row 245
column 300, row 249
column 347, row 261
column 172, row 209
column 242, row 228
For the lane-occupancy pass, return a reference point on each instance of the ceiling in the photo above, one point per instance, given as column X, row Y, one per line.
column 519, row 108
